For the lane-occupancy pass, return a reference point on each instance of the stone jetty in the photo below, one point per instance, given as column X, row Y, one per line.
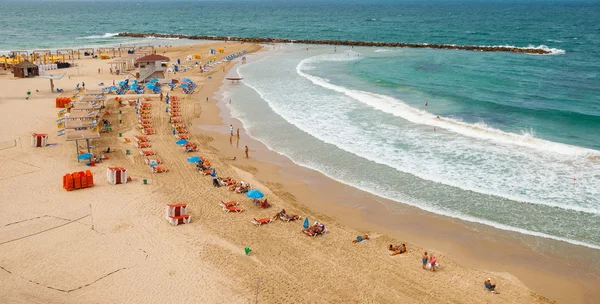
column 347, row 42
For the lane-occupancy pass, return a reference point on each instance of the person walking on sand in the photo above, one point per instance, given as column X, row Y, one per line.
column 83, row 85
column 424, row 259
column 231, row 130
column 238, row 133
column 246, row 150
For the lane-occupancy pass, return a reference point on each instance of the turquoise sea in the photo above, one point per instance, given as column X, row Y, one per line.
column 517, row 142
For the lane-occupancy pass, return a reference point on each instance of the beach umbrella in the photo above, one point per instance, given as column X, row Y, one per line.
column 181, row 142
column 187, row 80
column 193, row 159
column 254, row 194
column 84, row 156
column 305, row 223
column 214, row 172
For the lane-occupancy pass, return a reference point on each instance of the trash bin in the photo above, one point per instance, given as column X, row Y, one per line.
column 127, row 152
column 145, row 181
column 120, row 134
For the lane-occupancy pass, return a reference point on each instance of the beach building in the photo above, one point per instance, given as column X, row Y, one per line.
column 26, row 69
column 152, row 66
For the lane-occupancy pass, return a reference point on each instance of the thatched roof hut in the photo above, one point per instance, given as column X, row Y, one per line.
column 26, row 69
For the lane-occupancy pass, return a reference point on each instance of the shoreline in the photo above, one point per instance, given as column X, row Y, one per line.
column 207, row 254
column 499, row 250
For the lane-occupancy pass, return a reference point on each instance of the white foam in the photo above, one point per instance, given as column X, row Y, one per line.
column 106, row 35
column 535, row 176
column 421, row 205
column 479, row 130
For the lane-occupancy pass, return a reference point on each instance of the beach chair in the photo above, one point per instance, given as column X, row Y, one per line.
column 206, row 172
column 158, row 169
column 155, row 160
column 147, row 152
column 182, row 136
column 262, row 221
column 228, row 204
column 141, row 138
column 148, row 131
column 143, row 145
column 235, row 209
column 145, row 121
column 289, row 218
column 176, row 120
column 311, row 232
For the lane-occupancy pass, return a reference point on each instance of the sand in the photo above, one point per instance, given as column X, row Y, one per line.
column 123, row 250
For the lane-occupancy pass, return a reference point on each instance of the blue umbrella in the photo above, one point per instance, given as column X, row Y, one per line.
column 305, row 223
column 193, row 159
column 254, row 194
column 86, row 156
column 181, row 142
column 214, row 172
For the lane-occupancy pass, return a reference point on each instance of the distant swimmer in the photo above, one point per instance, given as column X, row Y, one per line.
column 438, row 117
column 427, row 103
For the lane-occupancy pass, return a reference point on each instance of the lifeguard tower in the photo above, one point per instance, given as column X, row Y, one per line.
column 152, row 66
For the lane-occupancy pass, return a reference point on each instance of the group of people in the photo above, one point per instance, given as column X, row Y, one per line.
column 241, row 187
column 316, row 228
column 429, row 262
column 282, row 215
column 397, row 249
column 222, row 182
column 201, row 165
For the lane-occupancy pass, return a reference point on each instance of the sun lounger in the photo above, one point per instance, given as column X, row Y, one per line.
column 206, row 172
column 289, row 218
column 145, row 116
column 228, row 204
column 155, row 160
column 175, row 114
column 262, row 221
column 182, row 136
column 147, row 152
column 144, row 126
column 141, row 138
column 144, row 112
column 143, row 145
column 233, row 209
column 176, row 120
column 311, row 231
column 159, row 169
column 148, row 131
column 145, row 121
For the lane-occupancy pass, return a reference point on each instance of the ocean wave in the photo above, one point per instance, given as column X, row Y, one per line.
column 553, row 51
column 479, row 130
column 377, row 192
column 106, row 35
column 553, row 40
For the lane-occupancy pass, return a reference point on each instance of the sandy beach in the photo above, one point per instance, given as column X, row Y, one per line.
column 123, row 250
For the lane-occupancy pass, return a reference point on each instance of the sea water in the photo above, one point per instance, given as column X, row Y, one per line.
column 359, row 115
